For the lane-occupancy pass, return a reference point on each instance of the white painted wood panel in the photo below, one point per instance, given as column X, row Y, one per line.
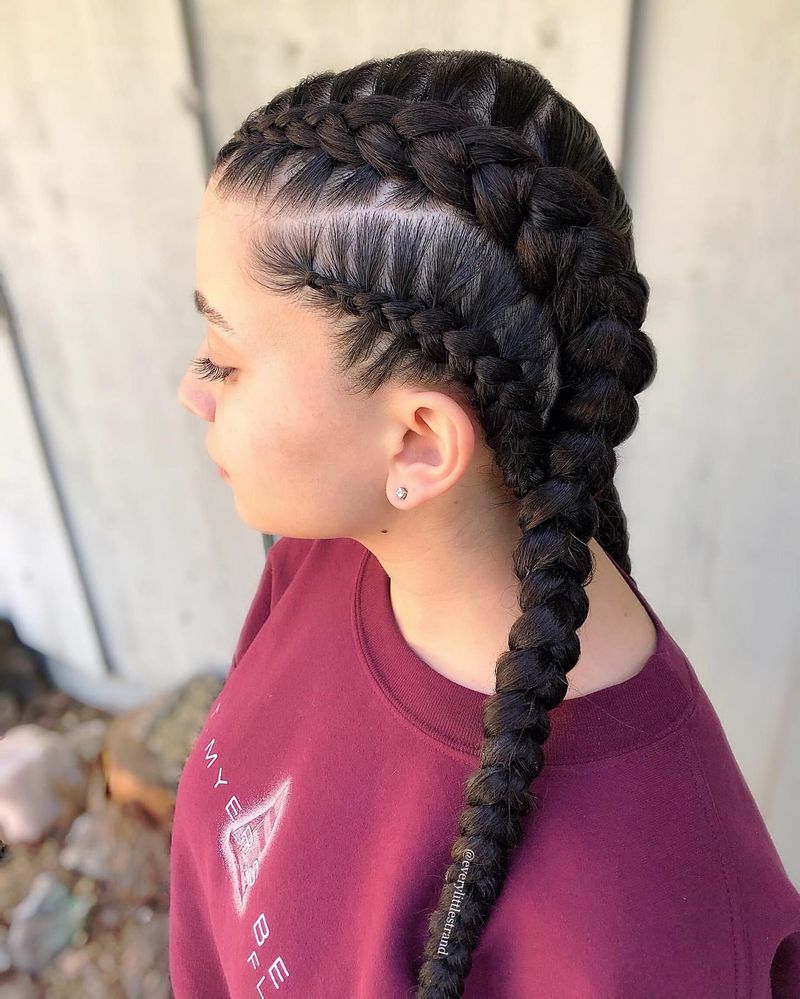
column 711, row 478
column 248, row 52
column 103, row 163
column 41, row 591
column 103, row 170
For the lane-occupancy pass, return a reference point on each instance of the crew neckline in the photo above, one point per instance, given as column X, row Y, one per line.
column 602, row 723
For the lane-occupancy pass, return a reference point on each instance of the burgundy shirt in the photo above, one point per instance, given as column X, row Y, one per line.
column 317, row 807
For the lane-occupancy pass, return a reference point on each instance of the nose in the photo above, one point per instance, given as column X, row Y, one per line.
column 196, row 396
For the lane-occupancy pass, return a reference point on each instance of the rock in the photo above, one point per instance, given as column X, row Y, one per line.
column 145, row 749
column 145, row 972
column 122, row 849
column 110, row 916
column 10, row 711
column 44, row 923
column 42, row 783
column 111, row 859
column 5, row 957
column 19, row 986
column 86, row 739
column 25, row 862
column 91, row 971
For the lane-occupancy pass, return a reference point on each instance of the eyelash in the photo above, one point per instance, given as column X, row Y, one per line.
column 206, row 368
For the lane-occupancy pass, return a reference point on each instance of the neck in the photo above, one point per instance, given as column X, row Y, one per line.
column 456, row 602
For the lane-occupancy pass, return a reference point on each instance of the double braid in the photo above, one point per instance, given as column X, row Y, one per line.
column 567, row 226
column 551, row 218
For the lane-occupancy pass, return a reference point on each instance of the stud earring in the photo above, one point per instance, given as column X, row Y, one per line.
column 401, row 492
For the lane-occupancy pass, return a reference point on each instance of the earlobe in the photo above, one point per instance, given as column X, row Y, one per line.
column 401, row 492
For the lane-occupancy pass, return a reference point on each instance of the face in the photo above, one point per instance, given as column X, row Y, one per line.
column 304, row 457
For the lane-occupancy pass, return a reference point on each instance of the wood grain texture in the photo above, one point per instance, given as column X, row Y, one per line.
column 113, row 114
column 710, row 479
column 247, row 52
column 102, row 176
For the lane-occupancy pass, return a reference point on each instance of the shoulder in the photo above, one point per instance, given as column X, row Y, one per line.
column 763, row 901
column 659, row 867
column 294, row 566
column 301, row 563
column 288, row 556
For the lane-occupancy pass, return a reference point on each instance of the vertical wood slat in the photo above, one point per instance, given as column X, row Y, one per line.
column 41, row 591
column 246, row 58
column 102, row 150
column 711, row 477
column 104, row 166
column 103, row 172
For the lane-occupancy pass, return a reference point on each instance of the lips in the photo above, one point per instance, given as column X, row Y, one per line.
column 220, row 470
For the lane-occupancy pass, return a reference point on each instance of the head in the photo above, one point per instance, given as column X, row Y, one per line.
column 290, row 422
column 428, row 264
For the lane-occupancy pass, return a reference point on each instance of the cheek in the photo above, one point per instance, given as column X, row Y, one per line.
column 307, row 466
column 301, row 431
column 288, row 441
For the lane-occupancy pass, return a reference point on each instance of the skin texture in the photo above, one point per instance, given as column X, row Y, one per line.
column 308, row 459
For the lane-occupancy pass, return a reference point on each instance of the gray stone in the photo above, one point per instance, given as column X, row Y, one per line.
column 44, row 923
column 42, row 783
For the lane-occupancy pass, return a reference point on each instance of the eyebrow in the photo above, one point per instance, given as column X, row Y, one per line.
column 211, row 314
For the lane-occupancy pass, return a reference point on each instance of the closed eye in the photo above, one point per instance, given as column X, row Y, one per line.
column 206, row 368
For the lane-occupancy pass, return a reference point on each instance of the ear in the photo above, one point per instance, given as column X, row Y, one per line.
column 435, row 447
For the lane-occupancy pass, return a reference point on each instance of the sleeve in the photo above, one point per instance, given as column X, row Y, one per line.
column 784, row 973
column 193, row 961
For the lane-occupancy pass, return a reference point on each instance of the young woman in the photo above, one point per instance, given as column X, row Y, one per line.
column 457, row 752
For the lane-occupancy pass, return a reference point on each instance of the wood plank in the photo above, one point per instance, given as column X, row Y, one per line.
column 246, row 56
column 711, row 477
column 103, row 172
column 41, row 590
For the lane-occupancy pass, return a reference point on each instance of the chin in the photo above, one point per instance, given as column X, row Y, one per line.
column 253, row 521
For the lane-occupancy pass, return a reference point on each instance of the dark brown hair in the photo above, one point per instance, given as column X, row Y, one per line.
column 459, row 223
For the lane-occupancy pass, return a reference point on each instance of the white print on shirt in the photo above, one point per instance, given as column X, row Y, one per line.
column 261, row 932
column 245, row 838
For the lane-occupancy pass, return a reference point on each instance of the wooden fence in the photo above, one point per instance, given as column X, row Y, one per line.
column 122, row 557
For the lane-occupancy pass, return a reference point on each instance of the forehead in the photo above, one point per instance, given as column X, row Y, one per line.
column 222, row 228
column 262, row 319
column 221, row 273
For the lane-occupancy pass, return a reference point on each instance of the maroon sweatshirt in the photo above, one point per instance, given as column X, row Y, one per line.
column 317, row 807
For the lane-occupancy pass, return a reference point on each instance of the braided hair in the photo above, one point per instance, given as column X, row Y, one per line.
column 459, row 223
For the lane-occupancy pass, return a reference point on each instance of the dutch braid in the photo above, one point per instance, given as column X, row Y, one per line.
column 517, row 288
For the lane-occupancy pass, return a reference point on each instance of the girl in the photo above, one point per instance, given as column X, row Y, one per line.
column 457, row 752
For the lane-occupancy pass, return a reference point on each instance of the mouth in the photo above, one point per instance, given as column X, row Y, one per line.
column 220, row 470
